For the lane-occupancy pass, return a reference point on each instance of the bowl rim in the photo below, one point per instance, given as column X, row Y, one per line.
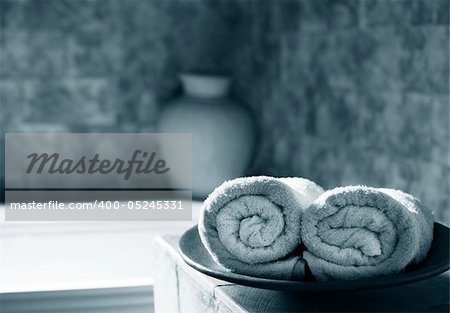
column 416, row 273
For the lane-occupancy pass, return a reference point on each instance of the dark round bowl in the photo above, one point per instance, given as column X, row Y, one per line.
column 194, row 254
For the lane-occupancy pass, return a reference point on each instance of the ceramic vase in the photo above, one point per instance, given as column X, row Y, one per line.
column 223, row 131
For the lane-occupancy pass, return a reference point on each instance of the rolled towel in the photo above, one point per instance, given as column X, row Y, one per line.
column 359, row 232
column 251, row 225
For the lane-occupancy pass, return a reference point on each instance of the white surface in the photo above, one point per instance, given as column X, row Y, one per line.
column 111, row 300
column 49, row 256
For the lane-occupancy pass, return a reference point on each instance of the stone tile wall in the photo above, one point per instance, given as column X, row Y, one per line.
column 351, row 92
column 344, row 91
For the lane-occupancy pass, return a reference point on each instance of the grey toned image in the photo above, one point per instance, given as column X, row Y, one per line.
column 318, row 159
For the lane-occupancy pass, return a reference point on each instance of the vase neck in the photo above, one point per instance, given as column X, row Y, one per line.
column 200, row 95
column 204, row 86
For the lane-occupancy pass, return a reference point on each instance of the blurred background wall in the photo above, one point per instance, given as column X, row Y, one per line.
column 344, row 91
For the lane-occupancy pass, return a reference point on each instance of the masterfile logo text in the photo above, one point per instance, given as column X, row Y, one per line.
column 126, row 176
